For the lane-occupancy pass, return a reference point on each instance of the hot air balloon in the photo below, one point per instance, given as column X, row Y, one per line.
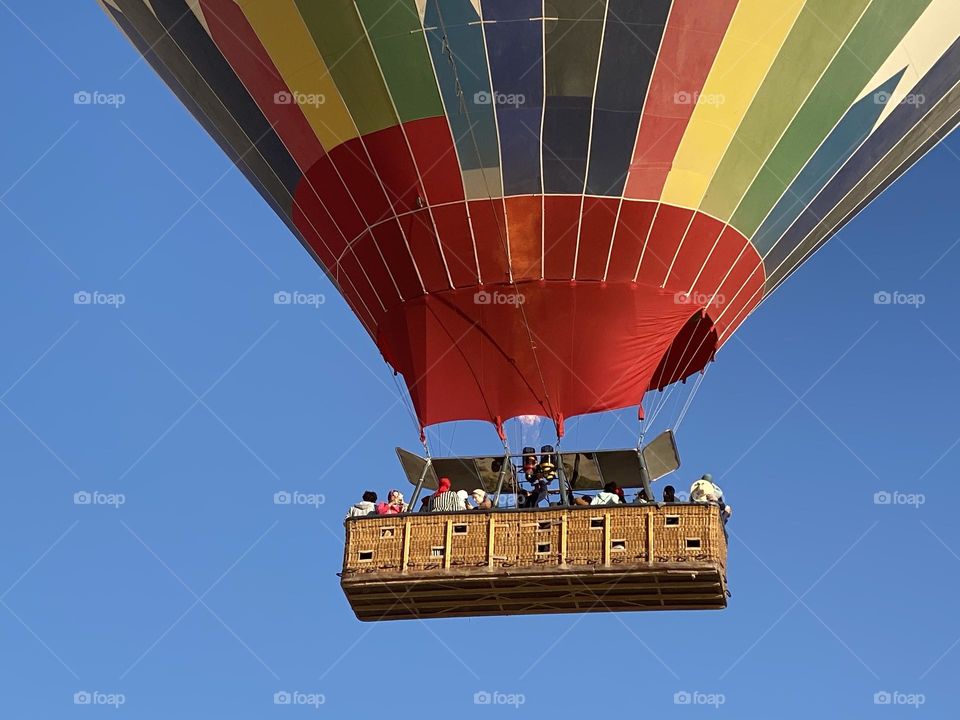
column 553, row 207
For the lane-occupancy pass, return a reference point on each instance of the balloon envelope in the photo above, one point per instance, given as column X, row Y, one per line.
column 551, row 207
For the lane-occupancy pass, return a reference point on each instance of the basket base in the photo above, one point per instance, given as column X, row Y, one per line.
column 469, row 592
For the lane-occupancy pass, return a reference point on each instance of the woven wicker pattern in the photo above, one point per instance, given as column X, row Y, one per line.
column 607, row 536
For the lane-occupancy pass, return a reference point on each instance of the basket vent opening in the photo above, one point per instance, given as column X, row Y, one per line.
column 543, row 548
column 387, row 532
column 671, row 520
column 543, row 525
column 596, row 523
column 460, row 529
column 693, row 543
column 618, row 544
column 437, row 551
column 366, row 555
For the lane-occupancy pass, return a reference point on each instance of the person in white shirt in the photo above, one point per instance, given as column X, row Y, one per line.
column 705, row 490
column 367, row 506
column 608, row 496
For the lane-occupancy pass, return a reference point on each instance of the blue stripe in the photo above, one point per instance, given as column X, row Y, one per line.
column 515, row 54
column 460, row 61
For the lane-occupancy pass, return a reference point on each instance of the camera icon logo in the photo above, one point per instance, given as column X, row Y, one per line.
column 482, row 697
column 882, row 498
column 282, row 498
column 82, row 98
column 683, row 97
column 882, row 97
column 482, row 98
column 882, row 698
column 882, row 298
column 282, row 97
column 82, row 498
column 282, row 697
column 282, row 297
column 82, row 297
column 82, row 698
column 482, row 298
column 682, row 697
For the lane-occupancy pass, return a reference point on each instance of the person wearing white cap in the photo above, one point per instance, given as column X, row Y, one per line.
column 480, row 498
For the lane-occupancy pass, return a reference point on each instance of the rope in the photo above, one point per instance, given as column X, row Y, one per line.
column 693, row 393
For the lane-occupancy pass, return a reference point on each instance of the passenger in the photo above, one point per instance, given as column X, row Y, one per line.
column 641, row 498
column 623, row 498
column 367, row 506
column 425, row 503
column 704, row 490
column 608, row 496
column 669, row 494
column 443, row 500
column 480, row 498
column 394, row 504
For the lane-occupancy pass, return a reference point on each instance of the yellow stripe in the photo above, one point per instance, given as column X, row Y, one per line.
column 753, row 40
column 288, row 42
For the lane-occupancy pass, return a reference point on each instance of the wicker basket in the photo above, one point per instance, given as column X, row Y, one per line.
column 579, row 536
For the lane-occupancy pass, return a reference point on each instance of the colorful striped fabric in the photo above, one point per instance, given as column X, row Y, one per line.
column 427, row 147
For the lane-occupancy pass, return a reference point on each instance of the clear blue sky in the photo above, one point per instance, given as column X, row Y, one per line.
column 199, row 398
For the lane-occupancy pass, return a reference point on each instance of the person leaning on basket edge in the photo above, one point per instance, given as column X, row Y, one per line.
column 705, row 490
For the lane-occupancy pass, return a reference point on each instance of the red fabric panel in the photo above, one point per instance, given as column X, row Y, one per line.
column 322, row 192
column 369, row 274
column 746, row 276
column 241, row 47
column 668, row 229
column 391, row 157
column 732, row 250
column 467, row 360
column 743, row 308
column 436, row 157
column 599, row 215
column 692, row 349
column 394, row 250
column 631, row 232
column 690, row 44
column 490, row 231
column 561, row 219
column 418, row 227
column 524, row 220
column 703, row 232
column 353, row 168
column 349, row 275
column 454, row 230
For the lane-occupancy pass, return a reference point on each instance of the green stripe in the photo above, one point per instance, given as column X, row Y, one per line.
column 816, row 35
column 341, row 40
column 869, row 45
column 398, row 41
